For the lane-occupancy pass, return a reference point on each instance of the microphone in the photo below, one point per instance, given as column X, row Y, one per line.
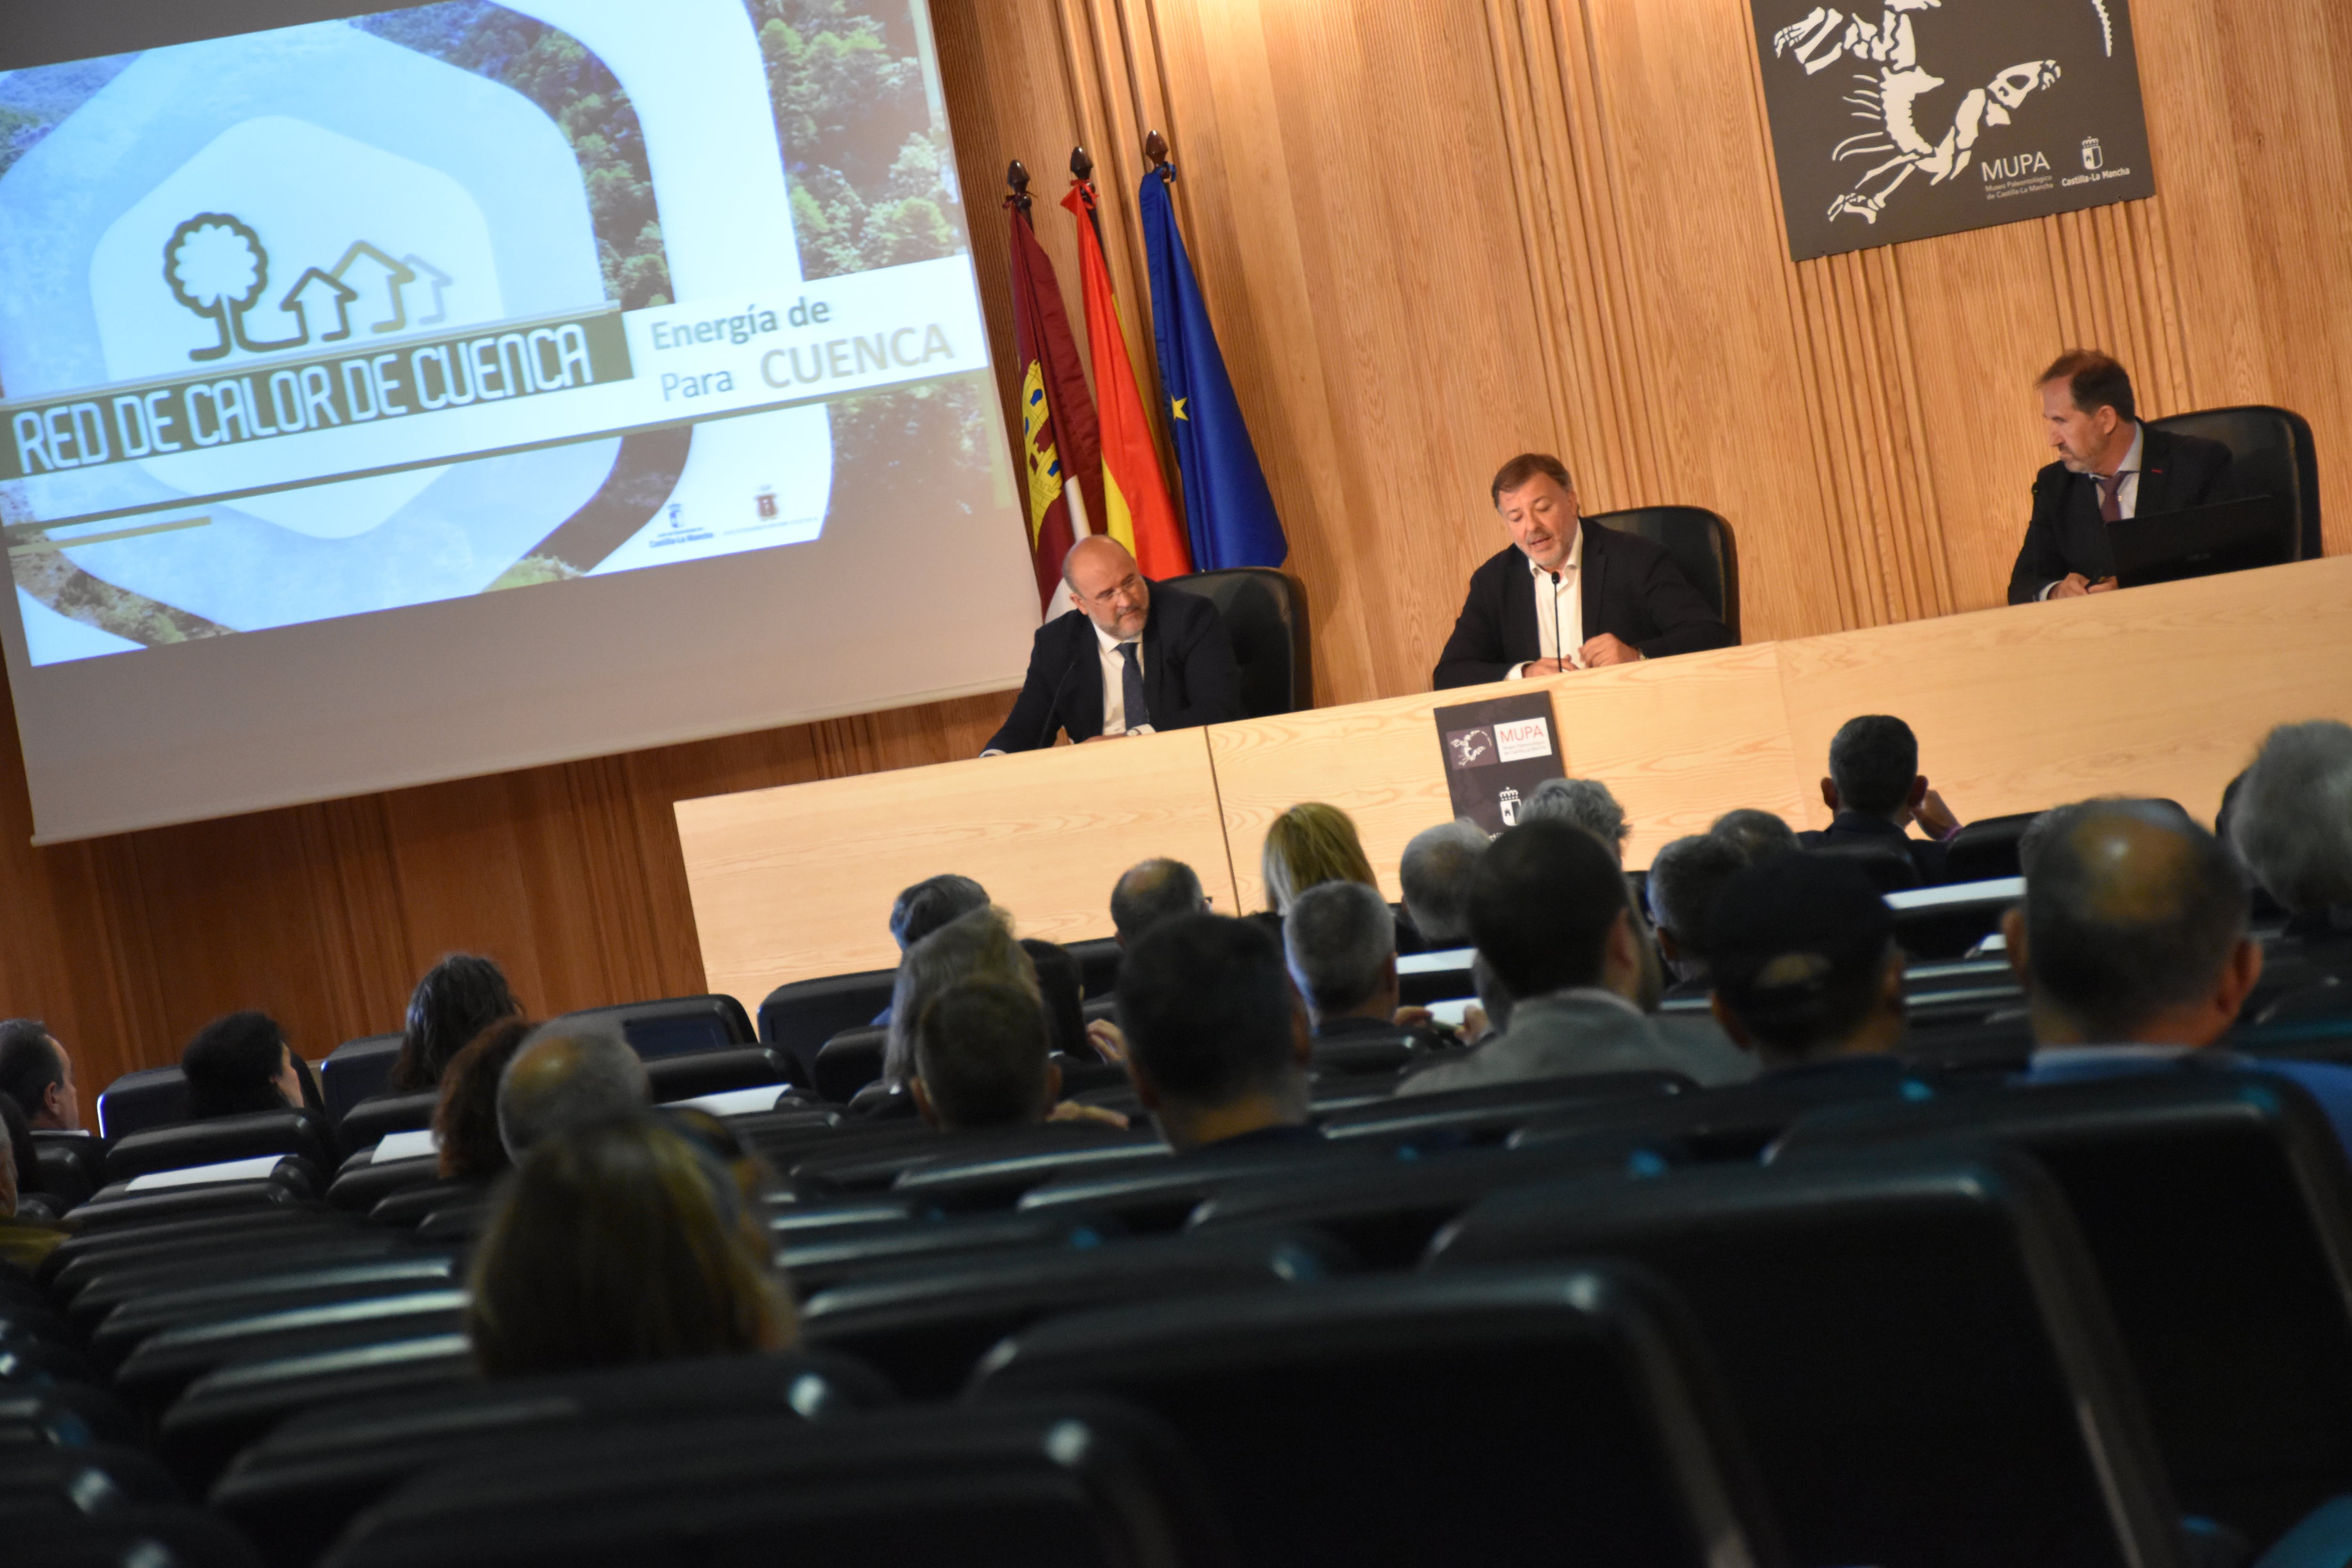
column 1556, row 647
column 1046, row 734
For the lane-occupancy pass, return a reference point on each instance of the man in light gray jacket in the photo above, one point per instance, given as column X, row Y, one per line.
column 1549, row 911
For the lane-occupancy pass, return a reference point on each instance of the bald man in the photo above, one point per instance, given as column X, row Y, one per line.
column 1134, row 657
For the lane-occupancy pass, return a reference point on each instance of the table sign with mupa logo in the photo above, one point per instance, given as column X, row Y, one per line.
column 1496, row 752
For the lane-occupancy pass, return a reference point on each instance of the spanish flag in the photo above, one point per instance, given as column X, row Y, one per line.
column 1058, row 441
column 1140, row 514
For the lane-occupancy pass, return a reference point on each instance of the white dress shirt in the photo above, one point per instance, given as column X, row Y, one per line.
column 1559, row 612
column 1113, row 682
column 2127, row 488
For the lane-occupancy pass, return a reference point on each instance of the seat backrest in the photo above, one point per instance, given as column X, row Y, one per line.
column 294, row 1491
column 71, row 1164
column 223, row 1411
column 246, row 1137
column 2217, row 1208
column 1549, row 1415
column 1264, row 613
column 1098, row 960
column 994, row 1175
column 718, row 1072
column 1889, row 865
column 1915, row 1346
column 355, row 1070
column 1146, row 1196
column 1492, row 1111
column 799, row 1017
column 1700, row 543
column 849, row 1061
column 2270, row 453
column 1070, row 1484
column 1987, row 847
column 677, row 1025
column 925, row 1325
column 366, row 1123
column 152, row 1097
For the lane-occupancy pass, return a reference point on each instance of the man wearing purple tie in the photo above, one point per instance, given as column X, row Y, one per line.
column 2110, row 468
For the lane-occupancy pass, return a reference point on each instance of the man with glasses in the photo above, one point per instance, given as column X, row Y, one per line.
column 1133, row 657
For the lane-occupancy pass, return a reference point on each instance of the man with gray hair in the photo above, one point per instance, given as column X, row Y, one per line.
column 568, row 1073
column 1581, row 803
column 2291, row 821
column 1339, row 944
column 1152, row 891
column 1684, row 877
column 1435, row 872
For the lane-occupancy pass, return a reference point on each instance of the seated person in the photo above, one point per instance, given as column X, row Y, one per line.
column 1582, row 803
column 1553, row 917
column 1134, row 657
column 24, row 1241
column 1435, row 875
column 457, row 999
column 622, row 1242
column 2291, row 823
column 2132, row 948
column 1758, row 834
column 37, row 1074
column 1152, row 891
column 1339, row 941
column 1875, row 791
column 567, row 1074
column 1308, row 845
column 981, row 1060
column 2110, row 468
column 1567, row 593
column 978, row 945
column 465, row 1117
column 1217, row 1041
column 1684, row 877
column 920, row 909
column 239, row 1064
column 1805, row 968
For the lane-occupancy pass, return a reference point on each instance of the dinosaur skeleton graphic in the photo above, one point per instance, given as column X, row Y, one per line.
column 1887, row 100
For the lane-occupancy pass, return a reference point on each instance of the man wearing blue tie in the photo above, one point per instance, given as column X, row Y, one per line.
column 1133, row 657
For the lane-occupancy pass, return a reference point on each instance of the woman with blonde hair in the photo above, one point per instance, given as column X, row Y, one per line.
column 622, row 1243
column 1309, row 844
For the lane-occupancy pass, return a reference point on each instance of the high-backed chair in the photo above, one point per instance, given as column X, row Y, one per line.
column 801, row 1016
column 1700, row 543
column 677, row 1025
column 848, row 1061
column 1264, row 613
column 150, row 1097
column 355, row 1070
column 2270, row 453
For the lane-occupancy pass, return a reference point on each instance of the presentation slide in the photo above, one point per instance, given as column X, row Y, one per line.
column 307, row 322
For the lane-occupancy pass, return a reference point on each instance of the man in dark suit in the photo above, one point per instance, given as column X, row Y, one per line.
column 2110, row 469
column 1133, row 657
column 1567, row 595
column 1875, row 792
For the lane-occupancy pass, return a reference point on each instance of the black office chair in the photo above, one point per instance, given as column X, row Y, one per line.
column 849, row 1061
column 152, row 1097
column 356, row 1071
column 1700, row 543
column 1987, row 847
column 1266, row 614
column 800, row 1017
column 222, row 1137
column 2271, row 454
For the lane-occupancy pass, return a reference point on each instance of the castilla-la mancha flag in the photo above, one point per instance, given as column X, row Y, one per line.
column 1140, row 515
column 1059, row 442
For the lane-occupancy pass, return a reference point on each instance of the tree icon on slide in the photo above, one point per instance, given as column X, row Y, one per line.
column 217, row 266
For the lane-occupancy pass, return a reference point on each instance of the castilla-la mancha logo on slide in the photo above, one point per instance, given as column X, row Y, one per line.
column 215, row 264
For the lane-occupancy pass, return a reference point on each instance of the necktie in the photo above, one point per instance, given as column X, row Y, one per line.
column 1130, row 690
column 2111, row 496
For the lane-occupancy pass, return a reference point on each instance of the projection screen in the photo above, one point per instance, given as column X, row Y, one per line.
column 395, row 395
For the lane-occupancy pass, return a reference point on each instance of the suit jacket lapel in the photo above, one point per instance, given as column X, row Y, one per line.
column 1155, row 663
column 1521, row 640
column 1082, row 709
column 2154, row 474
column 1589, row 573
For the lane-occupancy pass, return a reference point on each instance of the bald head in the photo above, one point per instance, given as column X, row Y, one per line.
column 2134, row 928
column 1105, row 583
column 567, row 1075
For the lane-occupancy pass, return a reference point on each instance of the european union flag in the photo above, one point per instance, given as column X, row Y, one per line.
column 1228, row 511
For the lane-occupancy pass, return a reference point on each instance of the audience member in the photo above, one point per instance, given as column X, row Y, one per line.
column 1492, row 1016
column 920, row 909
column 622, row 1242
column 1311, row 844
column 1684, row 877
column 466, row 1119
column 977, row 945
column 21, row 1151
column 2132, row 947
column 1551, row 912
column 457, row 999
column 1217, row 1042
column 1152, row 891
column 1339, row 941
column 2292, row 822
column 1804, row 963
column 1435, row 872
column 1759, row 833
column 566, row 1074
column 239, row 1064
column 24, row 1241
column 37, row 1074
column 981, row 1060
column 1875, row 792
column 1581, row 803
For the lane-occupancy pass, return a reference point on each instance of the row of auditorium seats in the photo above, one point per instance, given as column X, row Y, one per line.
column 1610, row 1321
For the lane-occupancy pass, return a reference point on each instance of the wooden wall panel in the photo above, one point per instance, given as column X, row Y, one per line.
column 1430, row 233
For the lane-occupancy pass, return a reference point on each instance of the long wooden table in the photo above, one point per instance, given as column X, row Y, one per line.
column 2156, row 692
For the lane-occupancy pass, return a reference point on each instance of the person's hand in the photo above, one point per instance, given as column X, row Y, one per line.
column 1413, row 1018
column 1535, row 667
column 1475, row 1027
column 1108, row 1043
column 1090, row 739
column 2072, row 586
column 1935, row 818
column 1071, row 1110
column 1606, row 649
column 2103, row 586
